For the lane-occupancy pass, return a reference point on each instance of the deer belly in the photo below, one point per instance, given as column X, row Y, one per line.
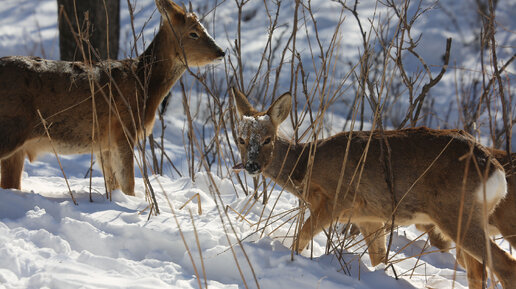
column 36, row 147
column 415, row 218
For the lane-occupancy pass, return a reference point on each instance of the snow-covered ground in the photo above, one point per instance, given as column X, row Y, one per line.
column 48, row 242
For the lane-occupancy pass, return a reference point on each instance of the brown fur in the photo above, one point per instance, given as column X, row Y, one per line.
column 500, row 221
column 428, row 169
column 122, row 107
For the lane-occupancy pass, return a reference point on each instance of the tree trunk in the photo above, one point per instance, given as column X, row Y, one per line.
column 99, row 21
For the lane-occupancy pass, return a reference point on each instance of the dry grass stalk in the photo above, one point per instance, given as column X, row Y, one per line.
column 199, row 207
column 44, row 123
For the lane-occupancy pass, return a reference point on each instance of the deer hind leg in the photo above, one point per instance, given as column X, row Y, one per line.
column 105, row 161
column 374, row 235
column 474, row 269
column 12, row 168
column 122, row 161
column 437, row 239
column 473, row 242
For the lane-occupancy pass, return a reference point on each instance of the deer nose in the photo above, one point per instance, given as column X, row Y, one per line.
column 221, row 53
column 252, row 167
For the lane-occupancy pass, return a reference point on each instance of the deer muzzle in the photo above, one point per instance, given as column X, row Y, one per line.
column 252, row 168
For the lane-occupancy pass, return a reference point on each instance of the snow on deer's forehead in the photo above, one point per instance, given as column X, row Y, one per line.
column 254, row 127
column 206, row 32
column 200, row 25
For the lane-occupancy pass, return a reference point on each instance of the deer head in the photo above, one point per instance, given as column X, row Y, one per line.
column 188, row 35
column 257, row 131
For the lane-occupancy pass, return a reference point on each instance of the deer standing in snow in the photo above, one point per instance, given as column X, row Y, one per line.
column 438, row 177
column 104, row 107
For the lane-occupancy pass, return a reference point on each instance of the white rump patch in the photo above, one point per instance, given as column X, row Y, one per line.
column 495, row 188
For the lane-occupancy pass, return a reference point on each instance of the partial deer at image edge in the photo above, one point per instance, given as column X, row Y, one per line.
column 103, row 107
column 438, row 176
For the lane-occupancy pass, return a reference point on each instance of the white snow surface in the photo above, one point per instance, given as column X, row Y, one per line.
column 48, row 242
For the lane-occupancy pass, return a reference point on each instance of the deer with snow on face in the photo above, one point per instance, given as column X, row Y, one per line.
column 439, row 177
column 104, row 107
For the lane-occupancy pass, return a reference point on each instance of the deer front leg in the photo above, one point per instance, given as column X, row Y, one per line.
column 321, row 216
column 122, row 163
column 12, row 168
column 318, row 221
column 105, row 161
column 374, row 235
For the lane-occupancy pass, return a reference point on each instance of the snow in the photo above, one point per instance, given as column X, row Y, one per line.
column 48, row 242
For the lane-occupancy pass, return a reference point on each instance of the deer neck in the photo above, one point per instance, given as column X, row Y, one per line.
column 288, row 165
column 159, row 68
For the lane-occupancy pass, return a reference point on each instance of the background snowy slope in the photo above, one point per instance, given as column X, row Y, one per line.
column 47, row 242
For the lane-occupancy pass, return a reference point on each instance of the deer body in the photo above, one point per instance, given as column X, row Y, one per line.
column 419, row 199
column 105, row 107
column 431, row 169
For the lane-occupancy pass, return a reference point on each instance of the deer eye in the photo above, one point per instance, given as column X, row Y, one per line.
column 267, row 141
column 194, row 35
column 241, row 141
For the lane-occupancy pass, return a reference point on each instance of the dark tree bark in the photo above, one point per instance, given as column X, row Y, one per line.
column 99, row 21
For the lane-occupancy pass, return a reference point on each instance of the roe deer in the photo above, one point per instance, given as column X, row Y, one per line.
column 105, row 107
column 501, row 221
column 439, row 177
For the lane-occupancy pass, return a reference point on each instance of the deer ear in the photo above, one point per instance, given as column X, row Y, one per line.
column 170, row 10
column 280, row 108
column 243, row 106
